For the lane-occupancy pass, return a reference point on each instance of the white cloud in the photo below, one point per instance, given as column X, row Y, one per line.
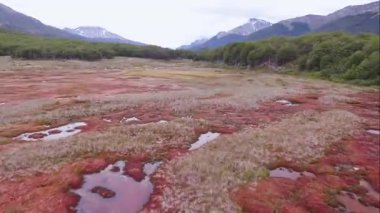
column 169, row 23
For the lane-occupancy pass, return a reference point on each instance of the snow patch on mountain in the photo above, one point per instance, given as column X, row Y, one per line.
column 253, row 25
column 94, row 32
column 100, row 34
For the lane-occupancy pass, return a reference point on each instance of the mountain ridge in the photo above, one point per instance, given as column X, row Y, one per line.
column 15, row 21
column 223, row 37
column 253, row 25
column 366, row 22
column 100, row 34
column 316, row 21
column 305, row 24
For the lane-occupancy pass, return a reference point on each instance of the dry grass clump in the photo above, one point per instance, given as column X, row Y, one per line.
column 242, row 97
column 8, row 113
column 242, row 94
column 84, row 107
column 201, row 180
column 333, row 99
column 117, row 63
column 40, row 156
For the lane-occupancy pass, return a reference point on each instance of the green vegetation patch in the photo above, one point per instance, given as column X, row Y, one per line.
column 33, row 47
column 331, row 56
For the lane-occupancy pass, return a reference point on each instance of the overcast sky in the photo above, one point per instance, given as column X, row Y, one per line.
column 169, row 23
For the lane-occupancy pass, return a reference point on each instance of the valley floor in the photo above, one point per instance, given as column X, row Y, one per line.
column 280, row 143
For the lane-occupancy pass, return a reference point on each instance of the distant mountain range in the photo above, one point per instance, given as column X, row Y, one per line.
column 99, row 34
column 15, row 21
column 12, row 20
column 351, row 19
column 195, row 43
column 317, row 21
column 222, row 38
column 252, row 26
column 366, row 22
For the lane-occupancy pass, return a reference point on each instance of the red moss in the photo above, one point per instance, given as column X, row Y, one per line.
column 291, row 208
column 135, row 170
column 104, row 192
column 54, row 131
column 48, row 192
column 224, row 129
column 289, row 196
column 115, row 169
column 160, row 183
column 361, row 152
column 37, row 135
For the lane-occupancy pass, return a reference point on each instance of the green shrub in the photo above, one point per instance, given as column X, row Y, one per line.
column 286, row 53
column 263, row 53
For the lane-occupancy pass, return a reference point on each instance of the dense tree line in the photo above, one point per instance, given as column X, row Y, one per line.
column 32, row 47
column 334, row 56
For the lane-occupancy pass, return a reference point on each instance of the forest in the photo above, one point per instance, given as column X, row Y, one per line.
column 26, row 46
column 332, row 56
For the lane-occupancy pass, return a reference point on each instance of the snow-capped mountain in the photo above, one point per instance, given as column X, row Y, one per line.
column 94, row 32
column 194, row 44
column 236, row 34
column 253, row 25
column 100, row 34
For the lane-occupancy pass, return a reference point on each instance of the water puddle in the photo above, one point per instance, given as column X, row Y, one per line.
column 53, row 134
column 289, row 173
column 111, row 190
column 342, row 167
column 286, row 103
column 374, row 132
column 204, row 139
column 107, row 120
column 351, row 203
column 370, row 190
column 135, row 120
column 129, row 120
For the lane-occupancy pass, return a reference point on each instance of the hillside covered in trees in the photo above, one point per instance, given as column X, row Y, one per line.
column 333, row 56
column 34, row 47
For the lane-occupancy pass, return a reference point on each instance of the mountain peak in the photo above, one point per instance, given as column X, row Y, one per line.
column 255, row 20
column 195, row 43
column 6, row 8
column 253, row 25
column 93, row 32
column 99, row 34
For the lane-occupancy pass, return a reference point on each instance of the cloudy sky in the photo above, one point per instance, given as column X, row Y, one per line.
column 169, row 23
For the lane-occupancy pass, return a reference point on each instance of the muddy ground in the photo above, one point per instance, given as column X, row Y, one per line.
column 285, row 144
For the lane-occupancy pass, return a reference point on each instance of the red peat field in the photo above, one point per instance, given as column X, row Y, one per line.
column 139, row 135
